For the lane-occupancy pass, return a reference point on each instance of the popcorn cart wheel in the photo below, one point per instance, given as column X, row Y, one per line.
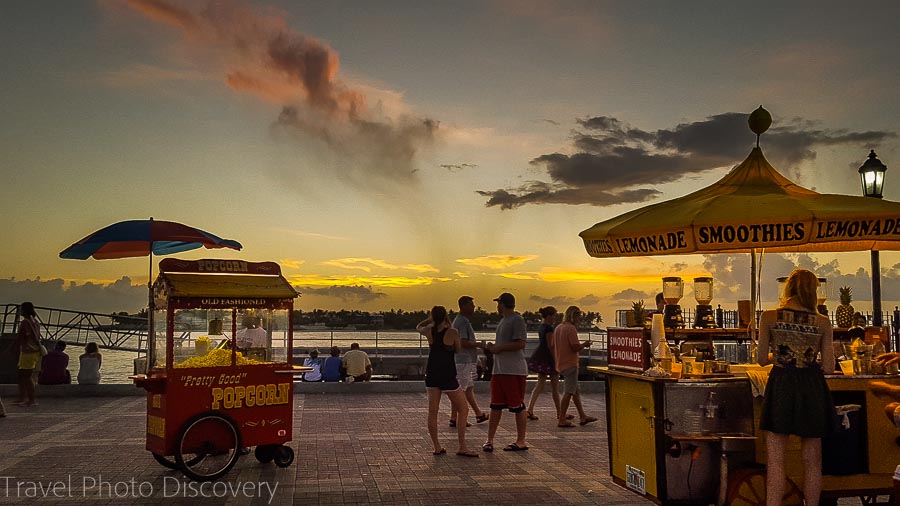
column 208, row 446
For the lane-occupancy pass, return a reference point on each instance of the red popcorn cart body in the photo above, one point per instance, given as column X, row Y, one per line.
column 219, row 367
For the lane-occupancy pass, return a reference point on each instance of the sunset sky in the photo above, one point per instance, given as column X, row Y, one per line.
column 400, row 154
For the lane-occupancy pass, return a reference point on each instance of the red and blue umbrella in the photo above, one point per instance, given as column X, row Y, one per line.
column 137, row 238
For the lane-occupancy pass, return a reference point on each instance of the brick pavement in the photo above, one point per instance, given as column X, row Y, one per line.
column 352, row 449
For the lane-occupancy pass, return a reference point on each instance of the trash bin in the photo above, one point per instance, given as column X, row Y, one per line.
column 844, row 452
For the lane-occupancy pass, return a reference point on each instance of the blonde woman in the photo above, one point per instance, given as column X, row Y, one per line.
column 797, row 399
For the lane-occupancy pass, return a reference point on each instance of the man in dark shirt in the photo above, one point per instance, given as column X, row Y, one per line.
column 54, row 367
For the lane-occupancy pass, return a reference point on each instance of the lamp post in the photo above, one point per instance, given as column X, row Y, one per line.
column 872, row 177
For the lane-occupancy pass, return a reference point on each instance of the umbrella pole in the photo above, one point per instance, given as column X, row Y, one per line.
column 751, row 328
column 150, row 338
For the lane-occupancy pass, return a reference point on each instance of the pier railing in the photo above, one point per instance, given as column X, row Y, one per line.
column 119, row 332
column 77, row 328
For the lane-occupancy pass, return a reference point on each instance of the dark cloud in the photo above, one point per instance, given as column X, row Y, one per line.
column 615, row 163
column 630, row 294
column 561, row 302
column 354, row 293
column 115, row 297
column 456, row 167
column 552, row 122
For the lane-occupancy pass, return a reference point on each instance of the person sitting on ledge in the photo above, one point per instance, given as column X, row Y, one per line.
column 54, row 367
column 90, row 361
column 316, row 363
column 333, row 370
column 357, row 364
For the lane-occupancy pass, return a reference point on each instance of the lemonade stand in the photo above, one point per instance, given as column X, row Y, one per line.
column 220, row 374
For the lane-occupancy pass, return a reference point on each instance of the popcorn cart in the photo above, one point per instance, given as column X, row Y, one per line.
column 219, row 374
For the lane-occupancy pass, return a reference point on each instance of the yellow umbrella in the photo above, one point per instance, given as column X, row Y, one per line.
column 752, row 208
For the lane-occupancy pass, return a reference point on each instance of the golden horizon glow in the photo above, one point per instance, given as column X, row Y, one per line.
column 359, row 264
column 497, row 261
column 380, row 281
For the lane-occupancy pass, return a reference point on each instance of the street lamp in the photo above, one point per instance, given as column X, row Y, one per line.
column 871, row 175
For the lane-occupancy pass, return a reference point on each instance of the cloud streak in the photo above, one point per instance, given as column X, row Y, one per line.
column 366, row 264
column 612, row 161
column 497, row 261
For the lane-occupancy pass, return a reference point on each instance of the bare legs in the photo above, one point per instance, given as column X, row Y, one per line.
column 539, row 388
column 564, row 407
column 26, row 386
column 775, row 474
column 458, row 402
column 521, row 426
column 470, row 398
column 811, row 449
column 434, row 402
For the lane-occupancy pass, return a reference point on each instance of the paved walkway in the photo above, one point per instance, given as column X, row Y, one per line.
column 352, row 449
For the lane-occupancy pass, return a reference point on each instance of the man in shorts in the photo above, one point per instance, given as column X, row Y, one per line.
column 467, row 358
column 509, row 373
column 565, row 347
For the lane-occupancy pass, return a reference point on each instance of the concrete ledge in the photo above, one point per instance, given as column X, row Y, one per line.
column 375, row 387
column 384, row 387
column 50, row 391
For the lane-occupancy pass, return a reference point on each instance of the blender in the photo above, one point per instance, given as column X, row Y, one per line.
column 673, row 290
column 821, row 295
column 704, row 316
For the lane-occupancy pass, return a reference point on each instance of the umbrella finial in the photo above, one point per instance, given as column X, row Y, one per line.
column 760, row 120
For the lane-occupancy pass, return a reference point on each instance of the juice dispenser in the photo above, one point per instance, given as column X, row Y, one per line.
column 704, row 316
column 673, row 290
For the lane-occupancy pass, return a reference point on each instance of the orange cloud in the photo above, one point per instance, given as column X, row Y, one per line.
column 364, row 264
column 497, row 261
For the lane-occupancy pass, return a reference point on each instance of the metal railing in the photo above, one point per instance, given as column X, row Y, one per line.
column 407, row 342
column 78, row 328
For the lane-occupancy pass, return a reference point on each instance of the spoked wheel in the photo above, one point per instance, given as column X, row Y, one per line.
column 284, row 456
column 265, row 453
column 208, row 446
column 747, row 487
column 170, row 463
column 165, row 462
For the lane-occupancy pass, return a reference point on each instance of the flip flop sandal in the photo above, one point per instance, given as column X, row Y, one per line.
column 468, row 454
column 440, row 452
column 565, row 425
column 531, row 415
column 487, row 447
column 482, row 418
column 513, row 447
column 453, row 423
column 587, row 420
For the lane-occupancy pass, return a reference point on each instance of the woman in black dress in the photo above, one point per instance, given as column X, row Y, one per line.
column 440, row 376
column 797, row 400
column 541, row 363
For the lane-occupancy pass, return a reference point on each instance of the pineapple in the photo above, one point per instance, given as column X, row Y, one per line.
column 844, row 314
column 639, row 315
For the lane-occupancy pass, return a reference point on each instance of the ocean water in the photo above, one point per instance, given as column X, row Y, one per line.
column 118, row 365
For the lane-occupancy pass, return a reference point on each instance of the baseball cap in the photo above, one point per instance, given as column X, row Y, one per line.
column 506, row 299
